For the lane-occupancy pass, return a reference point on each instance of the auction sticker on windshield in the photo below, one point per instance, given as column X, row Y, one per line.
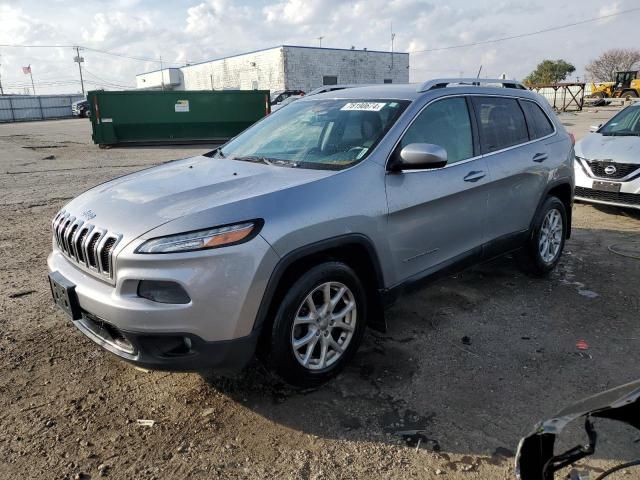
column 364, row 106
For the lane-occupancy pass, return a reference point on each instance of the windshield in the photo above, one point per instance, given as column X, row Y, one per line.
column 625, row 123
column 323, row 134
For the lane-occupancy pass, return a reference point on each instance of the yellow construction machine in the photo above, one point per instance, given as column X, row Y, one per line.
column 626, row 85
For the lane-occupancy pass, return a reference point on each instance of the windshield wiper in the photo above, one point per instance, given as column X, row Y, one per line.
column 267, row 161
column 215, row 152
column 254, row 159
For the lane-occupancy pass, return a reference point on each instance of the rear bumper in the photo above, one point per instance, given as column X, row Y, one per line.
column 179, row 352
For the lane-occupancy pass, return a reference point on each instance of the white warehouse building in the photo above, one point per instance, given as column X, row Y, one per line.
column 285, row 67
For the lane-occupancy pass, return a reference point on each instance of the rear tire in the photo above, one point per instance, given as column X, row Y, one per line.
column 319, row 325
column 546, row 240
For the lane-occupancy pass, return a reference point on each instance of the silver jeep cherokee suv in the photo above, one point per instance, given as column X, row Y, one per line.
column 293, row 236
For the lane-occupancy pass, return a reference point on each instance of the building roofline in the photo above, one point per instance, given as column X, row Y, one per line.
column 270, row 48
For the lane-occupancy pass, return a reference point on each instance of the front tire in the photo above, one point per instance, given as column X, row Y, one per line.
column 546, row 241
column 319, row 325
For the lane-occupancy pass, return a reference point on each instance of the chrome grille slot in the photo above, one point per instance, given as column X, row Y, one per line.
column 78, row 244
column 90, row 247
column 61, row 227
column 105, row 254
column 69, row 238
column 91, row 250
column 64, row 234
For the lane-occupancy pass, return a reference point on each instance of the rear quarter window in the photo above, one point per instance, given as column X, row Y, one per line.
column 538, row 122
column 501, row 123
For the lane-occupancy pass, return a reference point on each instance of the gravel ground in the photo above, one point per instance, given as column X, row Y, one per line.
column 71, row 410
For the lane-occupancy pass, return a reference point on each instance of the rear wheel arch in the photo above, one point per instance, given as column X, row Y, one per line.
column 355, row 250
column 564, row 192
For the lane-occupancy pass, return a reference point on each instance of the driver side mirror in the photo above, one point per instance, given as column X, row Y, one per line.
column 419, row 156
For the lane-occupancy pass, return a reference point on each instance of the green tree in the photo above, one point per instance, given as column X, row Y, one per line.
column 549, row 71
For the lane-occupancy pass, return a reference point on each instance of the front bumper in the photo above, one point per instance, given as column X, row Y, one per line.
column 628, row 197
column 214, row 330
column 175, row 351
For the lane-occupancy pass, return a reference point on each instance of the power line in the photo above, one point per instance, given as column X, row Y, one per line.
column 96, row 50
column 107, row 82
column 512, row 37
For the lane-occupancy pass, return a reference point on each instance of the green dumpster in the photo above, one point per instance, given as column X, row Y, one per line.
column 150, row 117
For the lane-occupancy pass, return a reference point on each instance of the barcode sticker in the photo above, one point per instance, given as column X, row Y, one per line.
column 364, row 106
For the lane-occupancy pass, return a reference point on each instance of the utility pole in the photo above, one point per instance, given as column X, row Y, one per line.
column 320, row 40
column 78, row 59
column 1, row 90
column 393, row 37
column 161, row 74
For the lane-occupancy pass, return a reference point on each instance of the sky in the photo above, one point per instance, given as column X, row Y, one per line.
column 189, row 31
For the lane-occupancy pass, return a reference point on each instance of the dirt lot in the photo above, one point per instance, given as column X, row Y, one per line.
column 70, row 410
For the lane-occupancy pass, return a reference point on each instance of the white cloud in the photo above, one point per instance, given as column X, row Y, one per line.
column 197, row 30
column 609, row 9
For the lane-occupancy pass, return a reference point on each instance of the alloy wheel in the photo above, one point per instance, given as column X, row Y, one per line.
column 324, row 325
column 550, row 238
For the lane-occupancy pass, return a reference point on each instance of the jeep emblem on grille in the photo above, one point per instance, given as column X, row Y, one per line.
column 88, row 214
column 610, row 169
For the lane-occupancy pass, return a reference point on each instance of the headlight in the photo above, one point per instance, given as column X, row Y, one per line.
column 203, row 239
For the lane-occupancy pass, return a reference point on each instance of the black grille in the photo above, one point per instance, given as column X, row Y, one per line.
column 105, row 254
column 622, row 169
column 621, row 198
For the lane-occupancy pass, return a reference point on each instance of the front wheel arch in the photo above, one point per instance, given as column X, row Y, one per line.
column 355, row 250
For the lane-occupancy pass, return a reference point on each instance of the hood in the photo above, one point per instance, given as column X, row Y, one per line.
column 617, row 149
column 136, row 203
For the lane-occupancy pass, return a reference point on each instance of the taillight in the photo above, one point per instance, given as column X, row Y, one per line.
column 573, row 138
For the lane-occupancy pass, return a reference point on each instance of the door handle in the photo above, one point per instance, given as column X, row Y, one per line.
column 540, row 157
column 474, row 176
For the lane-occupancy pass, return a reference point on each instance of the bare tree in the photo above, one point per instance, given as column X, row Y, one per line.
column 604, row 68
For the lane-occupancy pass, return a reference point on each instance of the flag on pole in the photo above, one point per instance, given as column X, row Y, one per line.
column 26, row 70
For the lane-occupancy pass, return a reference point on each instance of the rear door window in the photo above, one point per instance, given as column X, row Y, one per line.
column 445, row 123
column 501, row 123
column 538, row 122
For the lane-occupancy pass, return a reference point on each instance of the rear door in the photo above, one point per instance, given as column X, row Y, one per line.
column 438, row 215
column 518, row 166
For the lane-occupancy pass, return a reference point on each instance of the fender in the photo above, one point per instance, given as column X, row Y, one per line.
column 557, row 183
column 321, row 246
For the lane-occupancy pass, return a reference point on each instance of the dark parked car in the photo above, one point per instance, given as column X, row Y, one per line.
column 280, row 95
column 80, row 109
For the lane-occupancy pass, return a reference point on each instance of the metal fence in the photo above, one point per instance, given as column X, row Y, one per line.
column 563, row 96
column 19, row 108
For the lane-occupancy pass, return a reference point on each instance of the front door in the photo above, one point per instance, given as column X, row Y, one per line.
column 437, row 216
